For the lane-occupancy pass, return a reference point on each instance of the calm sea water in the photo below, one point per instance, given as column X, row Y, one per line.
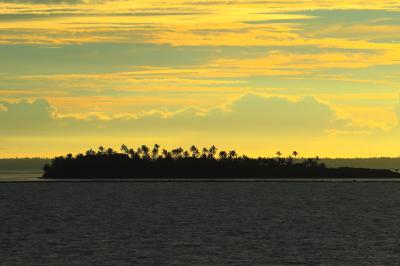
column 233, row 223
column 20, row 175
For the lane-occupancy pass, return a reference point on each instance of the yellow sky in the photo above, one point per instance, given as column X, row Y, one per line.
column 321, row 77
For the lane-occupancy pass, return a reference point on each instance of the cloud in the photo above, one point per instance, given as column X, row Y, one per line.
column 53, row 1
column 253, row 124
column 248, row 114
column 44, row 1
column 26, row 117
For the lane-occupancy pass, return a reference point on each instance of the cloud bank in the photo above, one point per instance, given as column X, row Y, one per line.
column 250, row 113
column 252, row 124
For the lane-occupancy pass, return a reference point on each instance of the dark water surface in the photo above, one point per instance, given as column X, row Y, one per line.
column 20, row 175
column 236, row 223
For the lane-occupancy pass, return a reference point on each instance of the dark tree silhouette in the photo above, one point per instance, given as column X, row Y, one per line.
column 223, row 155
column 154, row 151
column 90, row 152
column 145, row 151
column 195, row 152
column 212, row 151
column 204, row 152
column 177, row 153
column 186, row 154
column 232, row 154
column 132, row 153
column 110, row 151
column 179, row 163
column 166, row 154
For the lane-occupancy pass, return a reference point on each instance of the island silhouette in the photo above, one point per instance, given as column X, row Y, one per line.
column 194, row 163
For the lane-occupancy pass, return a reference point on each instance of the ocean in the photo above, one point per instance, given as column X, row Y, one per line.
column 199, row 223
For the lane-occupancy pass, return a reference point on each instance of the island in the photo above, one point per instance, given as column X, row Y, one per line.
column 176, row 164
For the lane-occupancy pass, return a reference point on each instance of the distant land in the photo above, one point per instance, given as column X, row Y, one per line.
column 23, row 164
column 393, row 163
column 194, row 163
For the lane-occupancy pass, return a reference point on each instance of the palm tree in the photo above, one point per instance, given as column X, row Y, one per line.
column 110, row 151
column 195, row 152
column 232, row 154
column 154, row 152
column 204, row 152
column 90, row 152
column 295, row 153
column 124, row 149
column 180, row 149
column 177, row 152
column 223, row 155
column 186, row 154
column 279, row 159
column 139, row 152
column 166, row 153
column 132, row 153
column 212, row 151
column 101, row 150
column 145, row 151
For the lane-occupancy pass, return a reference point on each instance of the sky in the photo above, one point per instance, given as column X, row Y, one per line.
column 319, row 77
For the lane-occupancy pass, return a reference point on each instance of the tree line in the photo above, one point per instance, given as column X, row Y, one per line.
column 156, row 153
column 145, row 162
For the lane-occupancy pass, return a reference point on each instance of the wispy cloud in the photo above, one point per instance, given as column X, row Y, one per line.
column 148, row 61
